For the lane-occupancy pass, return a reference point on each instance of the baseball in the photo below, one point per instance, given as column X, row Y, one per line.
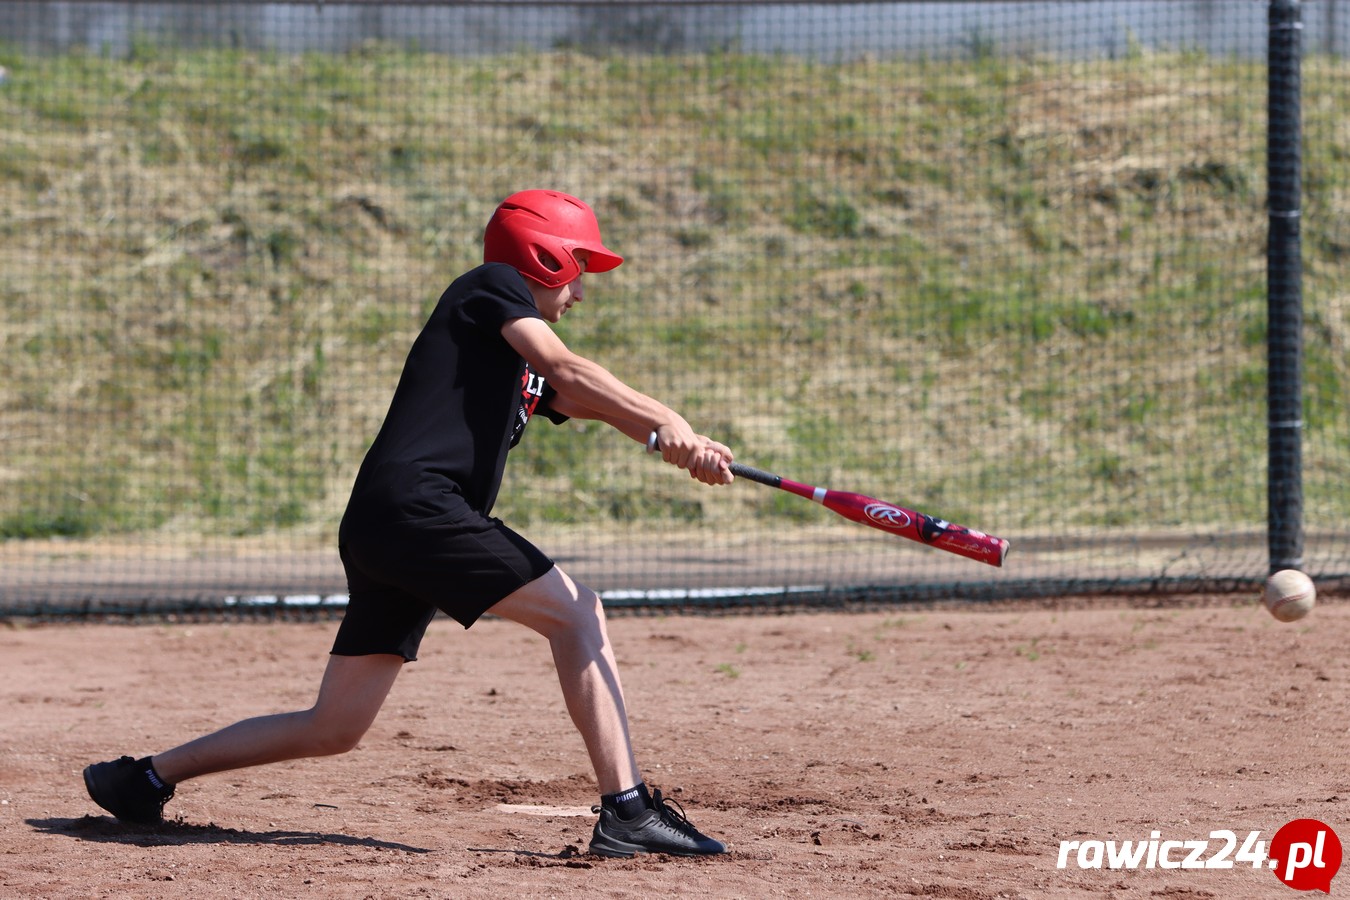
column 1290, row 595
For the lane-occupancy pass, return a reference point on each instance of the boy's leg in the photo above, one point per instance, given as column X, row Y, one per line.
column 573, row 621
column 351, row 693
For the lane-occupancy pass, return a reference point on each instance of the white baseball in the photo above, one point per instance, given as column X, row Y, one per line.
column 1290, row 595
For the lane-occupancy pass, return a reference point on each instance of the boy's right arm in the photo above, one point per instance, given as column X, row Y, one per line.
column 590, row 386
column 712, row 465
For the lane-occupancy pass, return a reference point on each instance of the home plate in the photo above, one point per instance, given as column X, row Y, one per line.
column 544, row 810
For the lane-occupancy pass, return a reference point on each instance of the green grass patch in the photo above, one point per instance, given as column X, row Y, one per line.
column 1014, row 291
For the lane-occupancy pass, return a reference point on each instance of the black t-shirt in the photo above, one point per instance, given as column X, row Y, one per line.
column 462, row 402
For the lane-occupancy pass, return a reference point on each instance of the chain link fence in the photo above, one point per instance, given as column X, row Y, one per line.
column 1005, row 263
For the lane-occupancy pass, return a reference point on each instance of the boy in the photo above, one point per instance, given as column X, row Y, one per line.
column 417, row 535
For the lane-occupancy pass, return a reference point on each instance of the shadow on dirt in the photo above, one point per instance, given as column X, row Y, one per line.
column 105, row 829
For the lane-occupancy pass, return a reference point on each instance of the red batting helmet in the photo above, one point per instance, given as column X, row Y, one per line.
column 530, row 222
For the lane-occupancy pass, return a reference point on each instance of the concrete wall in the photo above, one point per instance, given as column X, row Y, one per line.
column 1089, row 28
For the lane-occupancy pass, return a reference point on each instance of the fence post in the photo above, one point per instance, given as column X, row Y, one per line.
column 1284, row 288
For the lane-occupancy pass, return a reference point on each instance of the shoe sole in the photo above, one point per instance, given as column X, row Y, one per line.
column 613, row 853
column 616, row 849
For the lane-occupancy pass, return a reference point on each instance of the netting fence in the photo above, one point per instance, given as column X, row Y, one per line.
column 1003, row 262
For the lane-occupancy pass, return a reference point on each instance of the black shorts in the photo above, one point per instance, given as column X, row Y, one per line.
column 399, row 574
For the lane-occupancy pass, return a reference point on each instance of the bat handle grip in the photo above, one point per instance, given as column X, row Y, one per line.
column 737, row 469
column 751, row 473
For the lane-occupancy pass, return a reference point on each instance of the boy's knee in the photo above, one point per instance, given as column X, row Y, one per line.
column 337, row 742
column 329, row 737
column 556, row 607
column 587, row 611
column 578, row 615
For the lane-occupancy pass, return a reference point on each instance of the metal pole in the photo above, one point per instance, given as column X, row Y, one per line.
column 1284, row 288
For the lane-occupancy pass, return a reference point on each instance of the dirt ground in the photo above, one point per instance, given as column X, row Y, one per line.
column 890, row 753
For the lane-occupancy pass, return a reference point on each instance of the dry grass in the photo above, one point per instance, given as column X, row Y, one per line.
column 1031, row 293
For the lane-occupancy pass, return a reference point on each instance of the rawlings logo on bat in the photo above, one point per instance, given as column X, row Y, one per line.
column 887, row 516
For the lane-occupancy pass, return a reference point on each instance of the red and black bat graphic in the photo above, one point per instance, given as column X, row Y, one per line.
column 879, row 514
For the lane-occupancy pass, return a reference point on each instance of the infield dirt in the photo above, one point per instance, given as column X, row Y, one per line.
column 922, row 754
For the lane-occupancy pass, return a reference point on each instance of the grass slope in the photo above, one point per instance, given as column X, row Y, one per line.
column 1024, row 293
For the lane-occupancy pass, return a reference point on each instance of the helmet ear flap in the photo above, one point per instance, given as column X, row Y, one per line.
column 555, row 266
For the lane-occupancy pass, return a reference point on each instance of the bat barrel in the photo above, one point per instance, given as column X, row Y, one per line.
column 917, row 526
column 907, row 523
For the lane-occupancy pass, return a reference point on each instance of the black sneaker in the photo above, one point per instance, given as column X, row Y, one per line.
column 129, row 789
column 663, row 828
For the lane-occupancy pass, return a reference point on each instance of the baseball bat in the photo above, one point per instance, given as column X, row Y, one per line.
column 883, row 516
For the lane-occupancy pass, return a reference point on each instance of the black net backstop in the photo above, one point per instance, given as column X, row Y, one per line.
column 1016, row 264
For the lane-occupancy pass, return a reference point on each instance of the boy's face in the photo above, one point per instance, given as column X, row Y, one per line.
column 554, row 302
